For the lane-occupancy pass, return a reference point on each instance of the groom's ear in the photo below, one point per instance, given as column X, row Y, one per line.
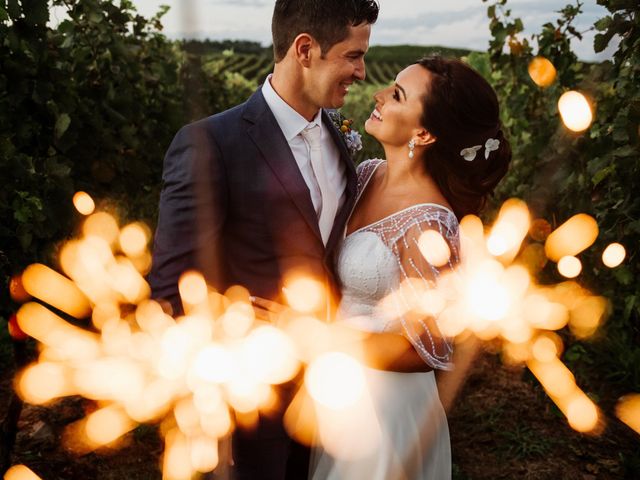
column 302, row 46
column 425, row 138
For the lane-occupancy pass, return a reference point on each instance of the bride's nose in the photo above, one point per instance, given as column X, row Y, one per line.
column 378, row 96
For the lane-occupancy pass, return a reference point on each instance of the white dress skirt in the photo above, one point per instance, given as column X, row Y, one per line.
column 397, row 430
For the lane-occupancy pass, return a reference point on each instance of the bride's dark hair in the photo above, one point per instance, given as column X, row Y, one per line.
column 461, row 110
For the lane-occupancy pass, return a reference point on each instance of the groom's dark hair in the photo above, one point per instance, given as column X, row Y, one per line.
column 327, row 21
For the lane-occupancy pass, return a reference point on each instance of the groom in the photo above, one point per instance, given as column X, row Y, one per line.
column 260, row 193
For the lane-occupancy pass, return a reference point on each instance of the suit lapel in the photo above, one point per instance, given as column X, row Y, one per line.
column 350, row 189
column 270, row 140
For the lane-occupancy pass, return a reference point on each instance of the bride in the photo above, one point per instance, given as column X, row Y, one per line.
column 445, row 152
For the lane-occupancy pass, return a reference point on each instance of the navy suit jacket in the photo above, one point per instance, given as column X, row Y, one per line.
column 235, row 206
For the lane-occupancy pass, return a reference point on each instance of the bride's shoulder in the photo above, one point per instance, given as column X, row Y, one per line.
column 366, row 168
column 428, row 216
column 369, row 164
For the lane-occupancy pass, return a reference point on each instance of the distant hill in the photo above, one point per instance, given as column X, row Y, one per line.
column 254, row 62
column 380, row 53
column 407, row 54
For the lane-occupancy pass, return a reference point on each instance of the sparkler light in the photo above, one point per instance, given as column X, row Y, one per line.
column 572, row 237
column 20, row 472
column 84, row 203
column 200, row 374
column 575, row 111
column 542, row 72
column 614, row 255
column 628, row 411
column 569, row 266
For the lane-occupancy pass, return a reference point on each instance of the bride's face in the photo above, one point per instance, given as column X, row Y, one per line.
column 396, row 118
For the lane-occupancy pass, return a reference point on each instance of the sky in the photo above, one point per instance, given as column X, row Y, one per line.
column 451, row 23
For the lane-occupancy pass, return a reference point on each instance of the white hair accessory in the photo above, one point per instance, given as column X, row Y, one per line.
column 469, row 154
column 491, row 145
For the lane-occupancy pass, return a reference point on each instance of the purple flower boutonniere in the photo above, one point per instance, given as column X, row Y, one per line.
column 352, row 137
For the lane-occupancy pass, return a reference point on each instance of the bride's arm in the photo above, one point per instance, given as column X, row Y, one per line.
column 421, row 339
column 392, row 352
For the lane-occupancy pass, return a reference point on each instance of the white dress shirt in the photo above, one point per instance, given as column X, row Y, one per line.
column 292, row 123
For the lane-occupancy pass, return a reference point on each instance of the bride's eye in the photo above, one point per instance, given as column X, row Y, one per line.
column 396, row 95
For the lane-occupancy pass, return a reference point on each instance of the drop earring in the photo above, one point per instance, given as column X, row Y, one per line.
column 412, row 146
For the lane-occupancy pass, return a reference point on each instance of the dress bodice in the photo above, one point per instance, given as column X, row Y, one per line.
column 383, row 272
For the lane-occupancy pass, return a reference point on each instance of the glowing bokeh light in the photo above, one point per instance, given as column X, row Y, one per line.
column 628, row 411
column 193, row 288
column 569, row 266
column 203, row 373
column 582, row 414
column 544, row 349
column 509, row 230
column 20, row 472
column 304, row 294
column 107, row 425
column 102, row 225
column 586, row 315
column 335, row 380
column 614, row 255
column 572, row 237
column 84, row 203
column 42, row 382
column 271, row 355
column 133, row 239
column 434, row 248
column 575, row 111
column 542, row 72
column 58, row 291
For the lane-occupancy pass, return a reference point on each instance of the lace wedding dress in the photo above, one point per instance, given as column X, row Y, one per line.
column 403, row 413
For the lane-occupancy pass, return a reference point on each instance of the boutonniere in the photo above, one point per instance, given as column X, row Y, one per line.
column 352, row 137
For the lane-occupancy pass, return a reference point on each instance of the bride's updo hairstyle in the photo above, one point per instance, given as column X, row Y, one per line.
column 460, row 109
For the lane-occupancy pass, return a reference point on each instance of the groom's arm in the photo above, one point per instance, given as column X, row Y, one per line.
column 191, row 213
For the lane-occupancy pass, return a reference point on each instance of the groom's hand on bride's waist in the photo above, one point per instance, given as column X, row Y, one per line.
column 269, row 311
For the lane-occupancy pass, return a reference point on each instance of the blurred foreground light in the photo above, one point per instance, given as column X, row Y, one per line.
column 177, row 457
column 304, row 294
column 105, row 426
column 569, row 266
column 271, row 354
column 613, row 255
column 193, row 288
column 554, row 376
column 434, row 248
column 101, row 225
column 486, row 294
column 628, row 411
column 544, row 349
column 133, row 240
column 575, row 111
column 586, row 315
column 20, row 472
column 214, row 364
column 57, row 290
column 335, row 380
column 204, row 453
column 542, row 72
column 509, row 230
column 582, row 413
column 43, row 382
column 84, row 203
column 572, row 237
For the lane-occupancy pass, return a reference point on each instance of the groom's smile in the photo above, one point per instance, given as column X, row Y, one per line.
column 334, row 71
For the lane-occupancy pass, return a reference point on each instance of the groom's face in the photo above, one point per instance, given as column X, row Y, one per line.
column 330, row 75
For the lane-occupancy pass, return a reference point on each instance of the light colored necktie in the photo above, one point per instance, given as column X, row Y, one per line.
column 330, row 198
